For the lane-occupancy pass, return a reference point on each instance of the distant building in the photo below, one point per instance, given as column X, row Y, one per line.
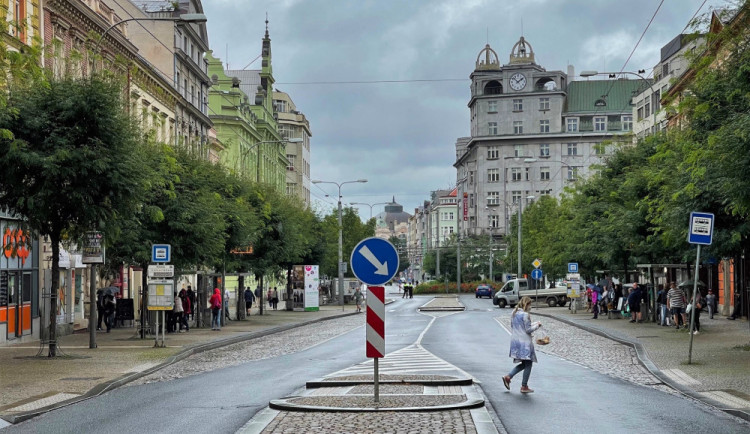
column 393, row 222
column 533, row 132
column 294, row 124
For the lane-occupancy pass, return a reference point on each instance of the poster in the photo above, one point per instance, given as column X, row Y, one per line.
column 312, row 288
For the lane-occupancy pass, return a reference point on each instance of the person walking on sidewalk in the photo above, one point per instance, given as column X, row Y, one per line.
column 191, row 296
column 275, row 299
column 595, row 302
column 186, row 309
column 634, row 302
column 226, row 304
column 697, row 305
column 521, row 345
column 676, row 300
column 215, row 303
column 99, row 308
column 178, row 313
column 711, row 303
column 249, row 299
column 661, row 299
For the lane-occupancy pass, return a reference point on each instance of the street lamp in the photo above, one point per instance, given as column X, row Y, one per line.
column 492, row 276
column 183, row 18
column 367, row 204
column 637, row 74
column 341, row 235
column 519, row 233
column 255, row 145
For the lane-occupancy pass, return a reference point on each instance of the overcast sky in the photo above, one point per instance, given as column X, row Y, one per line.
column 401, row 136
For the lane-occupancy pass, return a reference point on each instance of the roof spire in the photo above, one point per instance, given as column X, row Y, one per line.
column 266, row 24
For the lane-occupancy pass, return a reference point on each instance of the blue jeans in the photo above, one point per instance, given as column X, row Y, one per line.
column 524, row 366
column 663, row 314
column 215, row 319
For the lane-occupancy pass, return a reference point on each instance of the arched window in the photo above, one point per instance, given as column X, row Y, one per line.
column 493, row 88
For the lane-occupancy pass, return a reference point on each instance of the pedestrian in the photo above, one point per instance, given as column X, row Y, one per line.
column 711, row 303
column 697, row 305
column 358, row 299
column 191, row 297
column 215, row 304
column 676, row 300
column 109, row 311
column 269, row 297
column 405, row 288
column 186, row 309
column 521, row 345
column 588, row 298
column 275, row 298
column 177, row 313
column 411, row 290
column 736, row 310
column 226, row 303
column 249, row 299
column 634, row 302
column 99, row 308
column 661, row 299
column 595, row 302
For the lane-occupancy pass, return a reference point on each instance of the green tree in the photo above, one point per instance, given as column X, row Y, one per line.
column 353, row 232
column 72, row 162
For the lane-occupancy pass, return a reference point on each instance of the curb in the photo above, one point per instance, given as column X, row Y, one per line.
column 652, row 368
column 183, row 354
column 318, row 384
column 284, row 405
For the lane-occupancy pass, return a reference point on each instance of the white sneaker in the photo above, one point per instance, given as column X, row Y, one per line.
column 696, row 332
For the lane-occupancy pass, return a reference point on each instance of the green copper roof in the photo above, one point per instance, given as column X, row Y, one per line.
column 589, row 96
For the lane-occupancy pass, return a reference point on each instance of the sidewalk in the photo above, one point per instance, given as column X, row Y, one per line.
column 720, row 364
column 32, row 384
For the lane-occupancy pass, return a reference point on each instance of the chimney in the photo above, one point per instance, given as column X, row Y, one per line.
column 571, row 73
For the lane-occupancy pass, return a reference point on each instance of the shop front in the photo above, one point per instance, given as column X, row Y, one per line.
column 19, row 288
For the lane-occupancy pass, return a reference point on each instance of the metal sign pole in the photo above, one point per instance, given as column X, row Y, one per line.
column 377, row 381
column 692, row 311
column 156, row 335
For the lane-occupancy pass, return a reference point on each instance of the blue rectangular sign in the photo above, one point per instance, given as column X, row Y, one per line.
column 572, row 267
column 701, row 228
column 161, row 253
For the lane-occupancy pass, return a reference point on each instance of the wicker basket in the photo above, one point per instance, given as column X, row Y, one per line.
column 543, row 341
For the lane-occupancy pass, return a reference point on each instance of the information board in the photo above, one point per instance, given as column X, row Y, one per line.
column 160, row 294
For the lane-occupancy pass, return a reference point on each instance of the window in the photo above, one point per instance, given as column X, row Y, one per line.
column 184, row 44
column 493, row 175
column 471, row 200
column 544, row 150
column 647, row 108
column 572, row 124
column 600, row 123
column 515, row 174
column 515, row 196
column 627, row 123
column 517, row 105
column 493, row 220
column 599, row 148
column 493, row 198
column 447, row 216
column 517, row 127
column 656, row 100
column 492, row 106
column 290, row 157
column 471, row 177
column 20, row 18
column 192, row 94
column 184, row 88
column 518, row 150
column 492, row 128
column 493, row 153
column 544, row 173
column 544, row 126
column 573, row 173
column 527, row 171
column 543, row 103
column 572, row 148
column 279, row 105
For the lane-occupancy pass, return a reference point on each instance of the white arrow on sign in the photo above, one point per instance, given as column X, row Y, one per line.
column 381, row 269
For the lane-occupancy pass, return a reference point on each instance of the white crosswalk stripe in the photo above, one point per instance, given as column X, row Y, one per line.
column 410, row 360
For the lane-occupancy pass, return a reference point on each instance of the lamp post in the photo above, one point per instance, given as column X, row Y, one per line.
column 490, row 227
column 637, row 74
column 341, row 235
column 183, row 18
column 367, row 204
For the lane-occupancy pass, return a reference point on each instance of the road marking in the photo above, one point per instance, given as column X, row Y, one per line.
column 680, row 377
column 413, row 358
column 40, row 403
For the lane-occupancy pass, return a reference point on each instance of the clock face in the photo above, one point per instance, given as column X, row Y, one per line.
column 517, row 81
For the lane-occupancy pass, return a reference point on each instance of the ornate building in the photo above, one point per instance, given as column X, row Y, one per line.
column 532, row 133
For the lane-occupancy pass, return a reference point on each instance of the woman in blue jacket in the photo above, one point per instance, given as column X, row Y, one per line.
column 521, row 345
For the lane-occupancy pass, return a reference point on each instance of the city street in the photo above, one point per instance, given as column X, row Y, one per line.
column 604, row 390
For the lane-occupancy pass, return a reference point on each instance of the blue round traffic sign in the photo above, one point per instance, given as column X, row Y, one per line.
column 374, row 261
column 537, row 274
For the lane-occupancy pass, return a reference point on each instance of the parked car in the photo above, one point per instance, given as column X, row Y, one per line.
column 483, row 290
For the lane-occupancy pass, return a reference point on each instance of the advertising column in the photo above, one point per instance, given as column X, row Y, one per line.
column 312, row 288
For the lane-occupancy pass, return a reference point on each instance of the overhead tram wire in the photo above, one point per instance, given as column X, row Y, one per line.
column 427, row 80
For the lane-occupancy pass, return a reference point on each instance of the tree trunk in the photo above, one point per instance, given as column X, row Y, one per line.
column 289, row 291
column 55, row 240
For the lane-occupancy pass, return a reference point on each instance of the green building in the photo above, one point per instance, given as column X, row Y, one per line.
column 245, row 124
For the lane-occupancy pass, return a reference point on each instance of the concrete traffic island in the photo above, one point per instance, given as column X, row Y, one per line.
column 398, row 393
column 443, row 303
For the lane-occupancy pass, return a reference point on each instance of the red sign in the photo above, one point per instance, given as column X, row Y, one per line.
column 375, row 322
column 466, row 206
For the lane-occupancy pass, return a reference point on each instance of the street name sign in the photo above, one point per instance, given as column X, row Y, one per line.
column 701, row 228
column 161, row 253
column 374, row 261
